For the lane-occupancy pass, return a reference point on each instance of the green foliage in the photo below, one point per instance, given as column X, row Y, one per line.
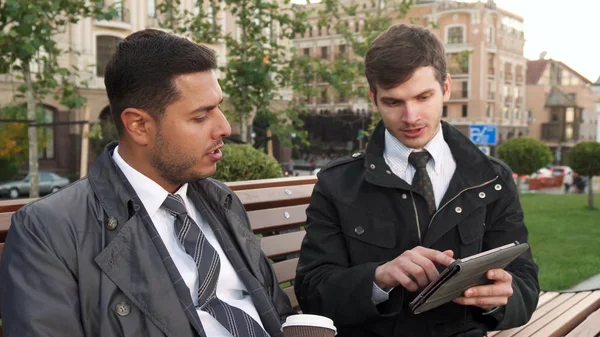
column 524, row 155
column 13, row 135
column 27, row 42
column 257, row 61
column 101, row 134
column 244, row 162
column 8, row 169
column 584, row 158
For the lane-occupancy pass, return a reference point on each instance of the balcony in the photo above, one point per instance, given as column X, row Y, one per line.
column 508, row 77
column 491, row 95
column 560, row 132
column 508, row 100
column 491, row 72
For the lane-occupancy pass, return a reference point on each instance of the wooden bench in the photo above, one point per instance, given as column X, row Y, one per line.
column 276, row 208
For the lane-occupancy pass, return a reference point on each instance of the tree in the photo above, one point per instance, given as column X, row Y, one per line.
column 345, row 74
column 28, row 48
column 524, row 155
column 584, row 158
column 257, row 59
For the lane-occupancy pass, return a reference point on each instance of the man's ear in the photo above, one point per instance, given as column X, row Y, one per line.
column 447, row 87
column 373, row 97
column 138, row 125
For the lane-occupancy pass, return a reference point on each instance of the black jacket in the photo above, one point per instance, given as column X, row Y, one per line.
column 80, row 262
column 361, row 215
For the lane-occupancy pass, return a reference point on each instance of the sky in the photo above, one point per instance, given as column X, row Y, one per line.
column 568, row 31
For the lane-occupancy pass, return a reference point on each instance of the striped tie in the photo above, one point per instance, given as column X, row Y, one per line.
column 235, row 320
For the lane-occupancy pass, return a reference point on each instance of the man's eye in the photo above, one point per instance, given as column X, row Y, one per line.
column 424, row 97
column 200, row 119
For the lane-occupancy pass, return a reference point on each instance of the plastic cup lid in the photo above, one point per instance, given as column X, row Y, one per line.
column 309, row 320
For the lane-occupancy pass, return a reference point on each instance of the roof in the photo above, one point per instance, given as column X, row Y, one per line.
column 557, row 98
column 535, row 69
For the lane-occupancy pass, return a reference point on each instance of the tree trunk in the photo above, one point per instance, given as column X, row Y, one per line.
column 590, row 193
column 244, row 128
column 31, row 133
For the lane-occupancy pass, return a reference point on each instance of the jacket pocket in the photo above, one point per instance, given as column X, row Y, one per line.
column 364, row 226
column 471, row 231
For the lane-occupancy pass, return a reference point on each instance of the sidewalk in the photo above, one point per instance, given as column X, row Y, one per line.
column 593, row 283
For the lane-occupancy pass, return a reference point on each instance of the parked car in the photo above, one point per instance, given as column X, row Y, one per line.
column 560, row 170
column 48, row 183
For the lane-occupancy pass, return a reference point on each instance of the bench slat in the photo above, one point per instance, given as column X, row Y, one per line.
column 4, row 224
column 13, row 205
column 282, row 244
column 275, row 197
column 289, row 291
column 589, row 328
column 265, row 183
column 551, row 315
column 545, row 297
column 571, row 318
column 285, row 270
column 537, row 314
column 277, row 217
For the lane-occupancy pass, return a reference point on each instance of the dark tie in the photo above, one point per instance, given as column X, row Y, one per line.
column 235, row 320
column 421, row 182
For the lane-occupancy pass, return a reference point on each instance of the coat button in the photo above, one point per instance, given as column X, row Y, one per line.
column 359, row 230
column 111, row 224
column 388, row 172
column 404, row 196
column 123, row 309
column 372, row 166
column 458, row 210
column 482, row 195
column 498, row 187
column 355, row 155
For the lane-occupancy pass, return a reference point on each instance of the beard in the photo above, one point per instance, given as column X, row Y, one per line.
column 172, row 164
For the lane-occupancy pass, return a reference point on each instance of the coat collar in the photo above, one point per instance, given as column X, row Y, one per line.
column 473, row 167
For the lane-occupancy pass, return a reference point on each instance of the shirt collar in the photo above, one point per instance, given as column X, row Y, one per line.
column 150, row 193
column 398, row 152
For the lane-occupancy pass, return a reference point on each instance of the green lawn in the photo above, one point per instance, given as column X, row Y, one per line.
column 564, row 236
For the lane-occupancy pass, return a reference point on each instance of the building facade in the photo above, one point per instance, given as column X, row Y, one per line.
column 92, row 43
column 596, row 88
column 484, row 46
column 562, row 105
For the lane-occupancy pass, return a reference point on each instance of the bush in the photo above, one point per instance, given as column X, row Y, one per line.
column 8, row 169
column 244, row 162
column 524, row 155
column 584, row 158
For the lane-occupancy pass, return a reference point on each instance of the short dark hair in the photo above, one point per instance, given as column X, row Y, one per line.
column 141, row 72
column 396, row 53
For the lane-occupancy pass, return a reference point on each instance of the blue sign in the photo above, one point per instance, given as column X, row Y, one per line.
column 483, row 134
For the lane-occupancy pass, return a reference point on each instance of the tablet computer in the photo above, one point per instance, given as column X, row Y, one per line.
column 463, row 274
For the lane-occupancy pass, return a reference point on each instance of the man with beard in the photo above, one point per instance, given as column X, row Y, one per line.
column 147, row 244
column 381, row 225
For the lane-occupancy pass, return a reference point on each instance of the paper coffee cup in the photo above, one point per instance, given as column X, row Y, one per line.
column 305, row 325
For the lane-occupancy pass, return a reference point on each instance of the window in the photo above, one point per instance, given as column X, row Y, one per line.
column 324, row 52
column 465, row 111
column 490, row 110
column 152, row 8
column 324, row 96
column 465, row 89
column 105, row 45
column 506, row 112
column 455, row 35
column 343, row 49
column 445, row 111
column 490, row 35
column 306, row 51
column 516, row 114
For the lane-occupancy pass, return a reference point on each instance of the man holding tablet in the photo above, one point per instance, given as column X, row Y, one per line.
column 383, row 224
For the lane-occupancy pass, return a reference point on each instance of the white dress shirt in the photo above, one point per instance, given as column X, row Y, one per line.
column 230, row 288
column 440, row 168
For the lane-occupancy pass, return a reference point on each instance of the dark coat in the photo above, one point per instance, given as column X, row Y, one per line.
column 81, row 262
column 361, row 216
